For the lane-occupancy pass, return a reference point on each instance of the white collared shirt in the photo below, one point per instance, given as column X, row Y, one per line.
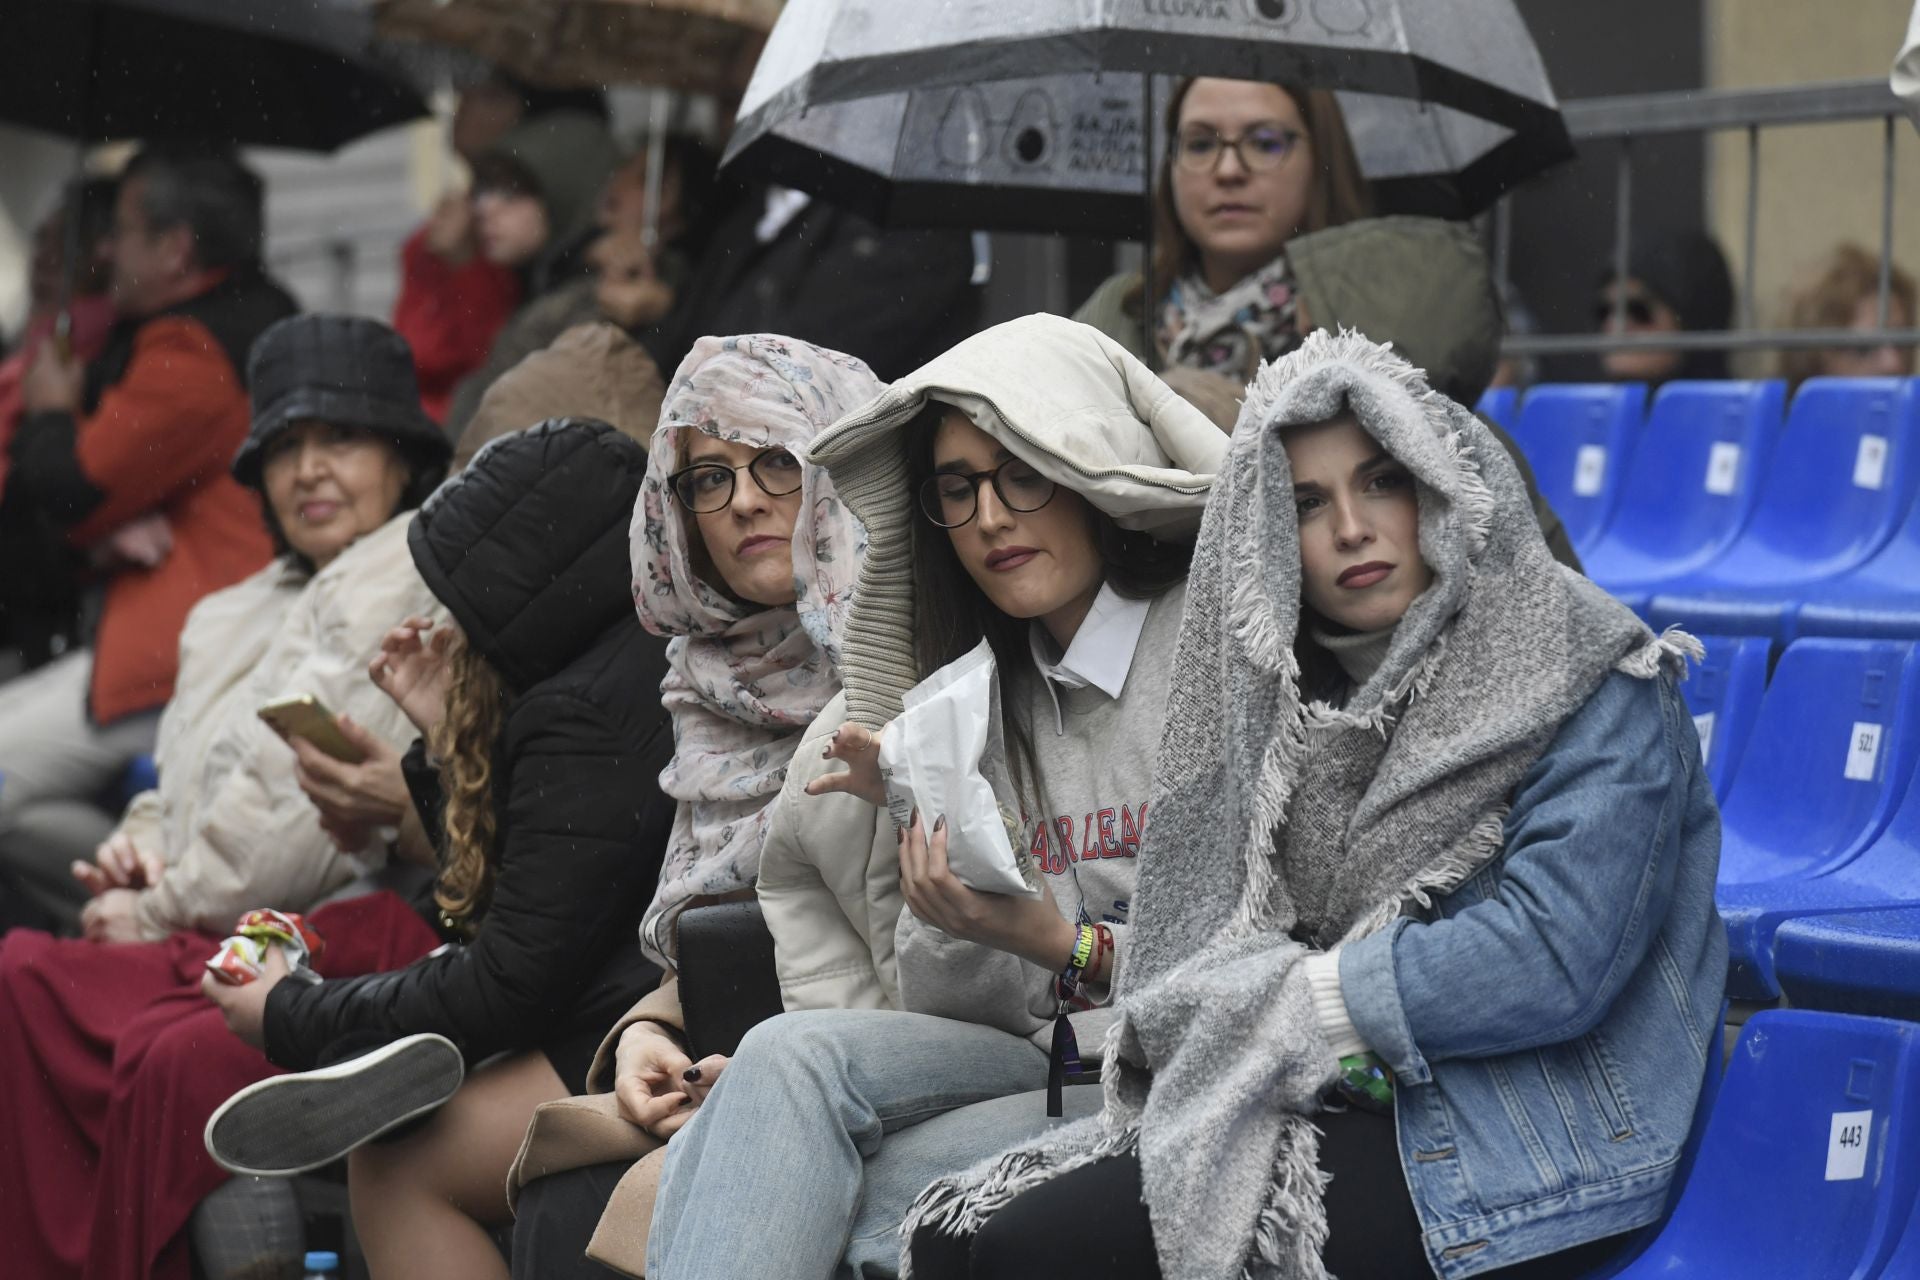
column 1102, row 651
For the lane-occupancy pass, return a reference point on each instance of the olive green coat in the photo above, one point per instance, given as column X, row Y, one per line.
column 1421, row 284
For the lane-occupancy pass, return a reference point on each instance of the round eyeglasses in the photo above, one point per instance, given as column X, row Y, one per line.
column 708, row 486
column 1261, row 149
column 952, row 498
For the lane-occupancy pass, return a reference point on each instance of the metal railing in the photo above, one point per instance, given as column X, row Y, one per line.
column 1619, row 120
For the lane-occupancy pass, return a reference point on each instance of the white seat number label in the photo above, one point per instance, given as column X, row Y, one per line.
column 1589, row 470
column 1870, row 464
column 1847, row 1145
column 1723, row 468
column 1863, row 752
column 1703, row 725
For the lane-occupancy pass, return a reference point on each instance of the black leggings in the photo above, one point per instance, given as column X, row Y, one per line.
column 1092, row 1220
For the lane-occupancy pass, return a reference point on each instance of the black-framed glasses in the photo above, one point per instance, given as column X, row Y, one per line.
column 708, row 486
column 1261, row 149
column 952, row 498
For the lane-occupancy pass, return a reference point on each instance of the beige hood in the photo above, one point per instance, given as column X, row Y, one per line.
column 1063, row 397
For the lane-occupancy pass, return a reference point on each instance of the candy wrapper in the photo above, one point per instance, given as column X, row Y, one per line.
column 241, row 957
column 946, row 753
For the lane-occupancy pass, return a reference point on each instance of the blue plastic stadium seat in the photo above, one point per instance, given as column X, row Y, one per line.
column 1710, row 1080
column 143, row 774
column 1855, row 962
column 1840, row 482
column 1824, row 771
column 1689, row 489
column 1579, row 438
column 1501, row 404
column 1880, row 598
column 1772, row 1193
column 1724, row 693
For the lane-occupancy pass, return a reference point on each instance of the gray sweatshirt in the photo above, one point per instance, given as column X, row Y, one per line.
column 1095, row 761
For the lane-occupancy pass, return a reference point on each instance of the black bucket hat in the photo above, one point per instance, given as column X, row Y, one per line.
column 344, row 370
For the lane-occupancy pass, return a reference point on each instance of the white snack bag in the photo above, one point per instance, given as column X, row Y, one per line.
column 945, row 754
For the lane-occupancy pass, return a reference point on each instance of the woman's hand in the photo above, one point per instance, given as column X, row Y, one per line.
column 143, row 541
column 1031, row 928
column 109, row 917
column 450, row 229
column 412, row 670
column 245, row 1007
column 119, row 864
column 859, row 749
column 354, row 800
column 657, row 1086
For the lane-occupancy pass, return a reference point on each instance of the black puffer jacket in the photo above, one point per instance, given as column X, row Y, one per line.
column 528, row 550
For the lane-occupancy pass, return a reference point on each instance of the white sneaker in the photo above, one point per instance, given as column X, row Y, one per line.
column 292, row 1123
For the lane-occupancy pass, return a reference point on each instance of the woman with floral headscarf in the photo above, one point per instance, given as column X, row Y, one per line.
column 745, row 556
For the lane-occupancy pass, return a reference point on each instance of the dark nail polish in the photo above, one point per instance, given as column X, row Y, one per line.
column 940, row 823
column 914, row 819
column 691, row 1075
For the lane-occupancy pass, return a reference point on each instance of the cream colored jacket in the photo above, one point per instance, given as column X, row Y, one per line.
column 228, row 819
column 830, row 887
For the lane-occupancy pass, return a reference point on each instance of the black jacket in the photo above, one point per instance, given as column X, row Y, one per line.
column 528, row 551
column 896, row 299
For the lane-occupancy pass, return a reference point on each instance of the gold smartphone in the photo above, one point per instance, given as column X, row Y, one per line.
column 306, row 717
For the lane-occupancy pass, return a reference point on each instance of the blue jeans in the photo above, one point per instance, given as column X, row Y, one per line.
column 824, row 1127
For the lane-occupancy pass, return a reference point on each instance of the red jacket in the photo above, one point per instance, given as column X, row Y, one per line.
column 168, row 410
column 450, row 316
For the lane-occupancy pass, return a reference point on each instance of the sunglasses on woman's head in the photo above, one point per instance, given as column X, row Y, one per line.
column 1637, row 310
column 708, row 486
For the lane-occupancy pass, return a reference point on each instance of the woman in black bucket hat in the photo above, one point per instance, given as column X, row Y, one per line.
column 108, row 1046
column 339, row 376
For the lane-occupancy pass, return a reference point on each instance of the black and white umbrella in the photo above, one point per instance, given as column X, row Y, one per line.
column 277, row 73
column 1008, row 114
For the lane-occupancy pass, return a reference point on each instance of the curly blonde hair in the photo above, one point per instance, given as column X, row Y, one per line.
column 1825, row 295
column 464, row 743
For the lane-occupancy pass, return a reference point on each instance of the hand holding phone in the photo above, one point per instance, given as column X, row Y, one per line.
column 304, row 716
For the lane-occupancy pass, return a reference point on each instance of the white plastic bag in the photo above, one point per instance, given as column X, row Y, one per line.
column 945, row 754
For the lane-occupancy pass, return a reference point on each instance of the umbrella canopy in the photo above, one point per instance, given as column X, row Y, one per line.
column 279, row 73
column 695, row 46
column 1007, row 114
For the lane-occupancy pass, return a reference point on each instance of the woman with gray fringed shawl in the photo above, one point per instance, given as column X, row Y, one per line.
column 1035, row 487
column 1427, row 903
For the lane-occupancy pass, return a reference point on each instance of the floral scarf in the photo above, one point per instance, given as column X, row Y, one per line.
column 744, row 680
column 1231, row 333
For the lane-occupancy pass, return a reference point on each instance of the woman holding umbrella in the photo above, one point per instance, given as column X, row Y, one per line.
column 1264, row 231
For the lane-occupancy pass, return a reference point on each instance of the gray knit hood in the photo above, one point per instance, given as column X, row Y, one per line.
column 1061, row 396
column 1280, row 826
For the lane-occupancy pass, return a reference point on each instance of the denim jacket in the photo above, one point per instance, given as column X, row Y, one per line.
column 1547, row 1022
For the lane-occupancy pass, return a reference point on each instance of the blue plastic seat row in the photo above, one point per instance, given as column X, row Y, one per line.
column 1721, row 509
column 1809, row 1164
column 1820, row 814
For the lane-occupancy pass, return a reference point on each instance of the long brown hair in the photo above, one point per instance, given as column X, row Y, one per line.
column 1339, row 194
column 464, row 742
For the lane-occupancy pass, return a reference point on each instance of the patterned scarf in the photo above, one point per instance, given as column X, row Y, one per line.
column 744, row 680
column 1231, row 333
column 1277, row 820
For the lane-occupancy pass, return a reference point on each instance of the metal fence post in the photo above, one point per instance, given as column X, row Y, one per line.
column 1886, row 227
column 1748, row 305
column 1622, row 230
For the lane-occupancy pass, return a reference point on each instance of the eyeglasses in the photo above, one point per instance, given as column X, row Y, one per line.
column 1261, row 149
column 952, row 498
column 1636, row 309
column 708, row 486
